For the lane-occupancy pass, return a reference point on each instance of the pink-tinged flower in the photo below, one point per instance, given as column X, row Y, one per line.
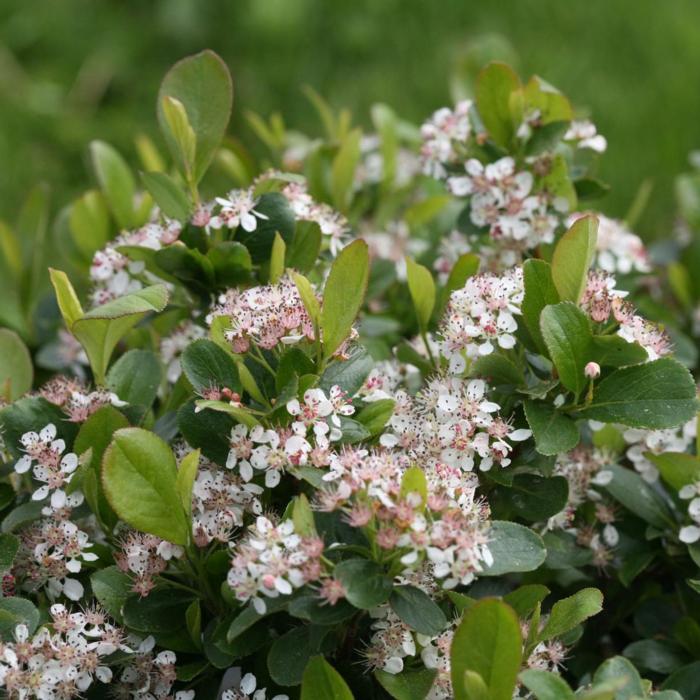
column 592, row 370
column 237, row 210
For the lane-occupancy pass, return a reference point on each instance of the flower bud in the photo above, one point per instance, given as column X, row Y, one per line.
column 592, row 370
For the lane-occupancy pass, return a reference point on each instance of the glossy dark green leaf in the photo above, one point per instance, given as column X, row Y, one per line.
column 418, row 610
column 553, row 431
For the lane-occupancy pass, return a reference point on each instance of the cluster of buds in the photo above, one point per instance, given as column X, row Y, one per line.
column 76, row 400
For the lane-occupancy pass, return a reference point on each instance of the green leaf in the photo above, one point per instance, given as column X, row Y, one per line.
column 348, row 374
column 525, row 598
column 572, row 258
column 374, row 415
column 290, row 653
column 467, row 266
column 676, row 468
column 364, row 581
column 16, row 370
column 497, row 369
column 203, row 85
column 193, row 618
column 539, row 292
column 280, row 220
column 231, row 262
column 475, row 687
column 186, row 475
column 343, row 295
column 303, row 516
column 343, row 169
column 545, row 685
column 9, row 545
column 139, row 476
column 163, row 611
column 321, row 680
column 249, row 616
column 16, row 611
column 308, row 298
column 554, row 432
column 418, row 610
column 487, row 642
column 614, row 351
column 514, row 548
column 498, row 95
column 408, row 685
column 89, row 223
column 572, row 611
column 566, row 331
column 422, row 289
column 182, row 134
column 414, row 481
column 277, row 259
column 135, row 377
column 116, row 182
column 620, row 671
column 208, row 430
column 111, row 587
column 658, row 394
column 536, row 498
column 206, row 365
column 629, row 489
column 168, row 195
column 305, row 246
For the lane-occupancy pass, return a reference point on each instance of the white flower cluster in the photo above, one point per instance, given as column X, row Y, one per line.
column 480, row 315
column 452, row 425
column 248, row 690
column 62, row 659
column 273, row 560
column 76, row 400
column 113, row 273
column 502, row 201
column 445, row 136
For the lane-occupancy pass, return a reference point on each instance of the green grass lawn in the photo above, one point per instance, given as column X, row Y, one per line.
column 88, row 69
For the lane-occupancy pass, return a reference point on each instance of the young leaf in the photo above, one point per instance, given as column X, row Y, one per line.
column 656, row 395
column 308, row 298
column 418, row 610
column 202, row 84
column 422, row 289
column 343, row 169
column 566, row 331
column 554, row 432
column 116, row 181
column 676, row 468
column 572, row 258
column 277, row 259
column 168, row 195
column 186, row 475
column 525, row 598
column 343, row 295
column 488, row 642
column 499, row 101
column 539, row 292
column 321, row 680
column 414, row 481
column 572, row 611
column 139, row 476
column 182, row 134
column 16, row 370
column 89, row 223
column 408, row 685
column 135, row 377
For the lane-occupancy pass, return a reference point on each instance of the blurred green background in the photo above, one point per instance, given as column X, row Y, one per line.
column 74, row 70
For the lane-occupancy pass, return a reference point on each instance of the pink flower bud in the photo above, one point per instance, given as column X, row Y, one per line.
column 592, row 370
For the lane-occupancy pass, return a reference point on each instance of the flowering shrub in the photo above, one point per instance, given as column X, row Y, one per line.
column 270, row 454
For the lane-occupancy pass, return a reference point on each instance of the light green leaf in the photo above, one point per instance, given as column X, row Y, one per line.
column 89, row 223
column 422, row 289
column 658, row 394
column 408, row 685
column 16, row 370
column 168, row 195
column 203, row 85
column 676, row 468
column 135, row 377
column 116, row 182
column 525, row 599
column 545, row 685
column 182, row 134
column 414, row 481
column 303, row 516
column 566, row 331
column 539, row 292
column 554, row 432
column 620, row 671
column 343, row 169
column 487, row 642
column 572, row 611
column 186, row 475
column 308, row 298
column 572, row 258
column 499, row 101
column 139, row 476
column 277, row 259
column 321, row 680
column 343, row 295
column 17, row 611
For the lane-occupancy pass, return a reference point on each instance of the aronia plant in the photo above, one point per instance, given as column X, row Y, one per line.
column 385, row 415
